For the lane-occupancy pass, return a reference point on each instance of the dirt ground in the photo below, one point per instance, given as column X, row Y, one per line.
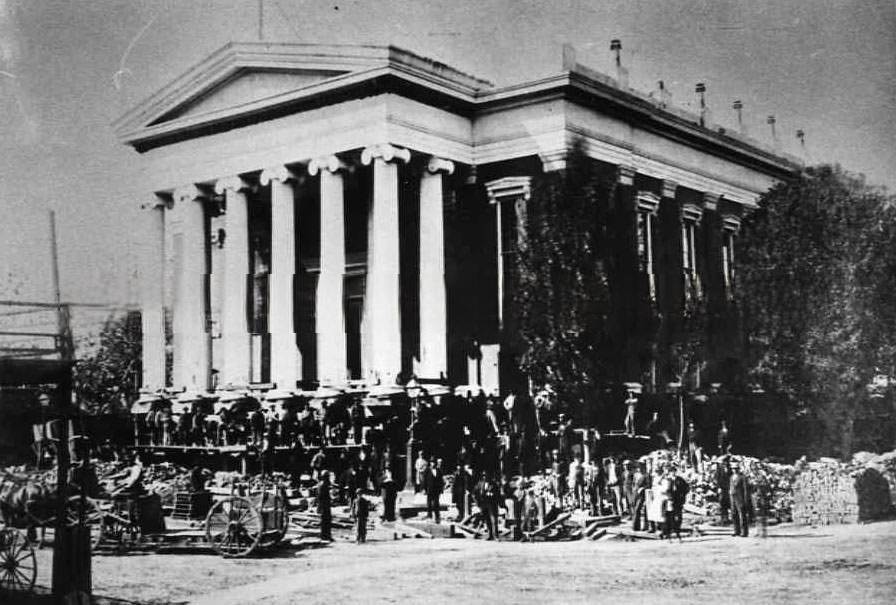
column 834, row 564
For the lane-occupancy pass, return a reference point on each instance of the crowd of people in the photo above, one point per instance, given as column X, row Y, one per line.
column 491, row 454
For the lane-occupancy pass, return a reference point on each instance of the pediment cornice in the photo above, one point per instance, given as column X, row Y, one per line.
column 335, row 67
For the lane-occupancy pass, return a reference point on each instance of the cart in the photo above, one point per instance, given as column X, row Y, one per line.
column 239, row 525
column 246, row 521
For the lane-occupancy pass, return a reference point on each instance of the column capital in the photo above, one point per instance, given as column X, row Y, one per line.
column 711, row 201
column 385, row 152
column 731, row 223
column 625, row 175
column 330, row 163
column 277, row 173
column 647, row 202
column 436, row 165
column 669, row 188
column 691, row 213
column 233, row 183
column 509, row 187
column 188, row 193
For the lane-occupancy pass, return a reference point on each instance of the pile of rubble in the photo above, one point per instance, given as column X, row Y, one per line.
column 829, row 491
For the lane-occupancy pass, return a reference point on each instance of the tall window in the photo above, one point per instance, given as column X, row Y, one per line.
column 647, row 205
column 690, row 218
column 730, row 227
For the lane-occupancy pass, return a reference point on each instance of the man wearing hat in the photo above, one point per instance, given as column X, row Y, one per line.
column 361, row 508
column 739, row 491
column 323, row 507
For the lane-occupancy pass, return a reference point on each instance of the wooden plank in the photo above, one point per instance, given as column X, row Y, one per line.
column 598, row 534
column 545, row 528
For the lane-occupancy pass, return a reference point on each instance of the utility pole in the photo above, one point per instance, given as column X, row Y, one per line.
column 71, row 545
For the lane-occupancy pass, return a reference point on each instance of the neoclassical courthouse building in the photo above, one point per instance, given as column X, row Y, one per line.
column 328, row 213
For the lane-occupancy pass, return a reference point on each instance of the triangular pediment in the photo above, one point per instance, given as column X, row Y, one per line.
column 242, row 81
column 245, row 87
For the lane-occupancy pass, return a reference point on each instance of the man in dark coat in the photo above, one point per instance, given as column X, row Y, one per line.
column 257, row 422
column 739, row 491
column 680, row 489
column 639, row 491
column 462, row 485
column 356, row 412
column 723, row 481
column 433, row 485
column 389, row 494
column 323, row 507
column 486, row 494
column 361, row 507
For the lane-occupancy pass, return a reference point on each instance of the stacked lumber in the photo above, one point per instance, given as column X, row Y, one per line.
column 828, row 492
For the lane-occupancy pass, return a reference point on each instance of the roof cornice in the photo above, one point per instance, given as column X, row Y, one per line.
column 353, row 71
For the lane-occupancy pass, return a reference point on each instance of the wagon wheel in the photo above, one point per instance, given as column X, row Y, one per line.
column 87, row 510
column 233, row 527
column 18, row 566
column 116, row 531
column 276, row 522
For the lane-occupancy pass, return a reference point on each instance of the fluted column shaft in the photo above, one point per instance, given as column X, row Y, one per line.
column 433, row 303
column 382, row 309
column 286, row 360
column 191, row 339
column 235, row 358
column 152, row 294
column 330, row 312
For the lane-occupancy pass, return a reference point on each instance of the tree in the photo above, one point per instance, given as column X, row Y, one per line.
column 816, row 272
column 562, row 298
column 106, row 379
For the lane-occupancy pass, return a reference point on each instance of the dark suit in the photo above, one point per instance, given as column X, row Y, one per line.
column 739, row 492
column 433, row 484
column 639, row 487
column 323, row 509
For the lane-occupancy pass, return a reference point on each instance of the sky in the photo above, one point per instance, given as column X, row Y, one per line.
column 68, row 68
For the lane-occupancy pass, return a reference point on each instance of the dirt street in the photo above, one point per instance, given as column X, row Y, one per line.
column 835, row 564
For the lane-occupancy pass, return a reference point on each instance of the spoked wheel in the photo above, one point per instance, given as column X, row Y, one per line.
column 18, row 566
column 273, row 512
column 233, row 527
column 87, row 511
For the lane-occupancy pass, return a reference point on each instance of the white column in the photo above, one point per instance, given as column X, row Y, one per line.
column 332, row 362
column 286, row 361
column 382, row 309
column 433, row 304
column 191, row 348
column 235, row 359
column 152, row 294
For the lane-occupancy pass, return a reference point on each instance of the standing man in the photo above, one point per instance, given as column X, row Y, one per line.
column 356, row 413
column 639, row 491
column 317, row 463
column 389, row 494
column 724, row 440
column 433, row 484
column 362, row 510
column 723, row 481
column 739, row 491
column 487, row 501
column 695, row 452
column 323, row 507
column 463, row 484
column 628, row 493
column 421, row 465
column 631, row 406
